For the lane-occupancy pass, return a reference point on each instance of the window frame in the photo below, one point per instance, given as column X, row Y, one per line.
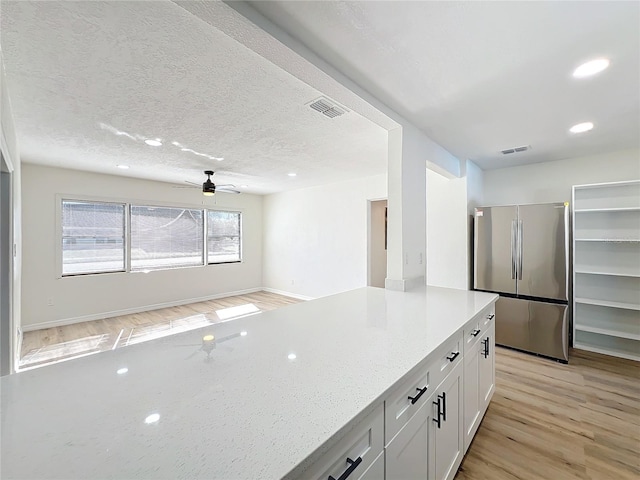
column 130, row 208
column 60, row 200
column 240, row 236
column 128, row 203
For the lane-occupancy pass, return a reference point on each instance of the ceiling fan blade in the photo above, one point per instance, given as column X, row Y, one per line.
column 193, row 183
column 225, row 185
column 227, row 190
column 184, row 186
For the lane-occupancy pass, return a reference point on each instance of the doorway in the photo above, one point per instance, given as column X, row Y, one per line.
column 377, row 261
column 6, row 270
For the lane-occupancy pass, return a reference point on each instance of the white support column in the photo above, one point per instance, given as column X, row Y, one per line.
column 406, row 264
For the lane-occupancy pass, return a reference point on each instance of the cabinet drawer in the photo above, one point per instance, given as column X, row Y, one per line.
column 404, row 402
column 356, row 451
column 478, row 327
column 445, row 359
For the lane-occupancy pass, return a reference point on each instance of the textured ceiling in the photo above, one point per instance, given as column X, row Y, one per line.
column 479, row 77
column 90, row 81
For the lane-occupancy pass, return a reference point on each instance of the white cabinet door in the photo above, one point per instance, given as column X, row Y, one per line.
column 375, row 471
column 487, row 367
column 407, row 455
column 472, row 395
column 447, row 437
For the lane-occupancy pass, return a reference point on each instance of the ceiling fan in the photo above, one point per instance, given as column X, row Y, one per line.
column 209, row 188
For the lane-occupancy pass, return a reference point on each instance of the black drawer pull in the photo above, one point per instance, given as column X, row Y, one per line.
column 353, row 464
column 444, row 405
column 437, row 419
column 421, row 392
column 491, row 316
column 453, row 356
column 475, row 333
column 486, row 347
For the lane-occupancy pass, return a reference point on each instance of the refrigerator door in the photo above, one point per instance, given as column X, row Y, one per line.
column 543, row 251
column 494, row 249
column 536, row 327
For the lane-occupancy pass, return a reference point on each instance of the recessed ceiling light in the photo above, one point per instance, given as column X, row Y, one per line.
column 123, row 167
column 244, row 186
column 291, row 356
column 581, row 127
column 153, row 418
column 153, row 143
column 243, row 333
column 122, row 371
column 591, row 67
column 292, row 174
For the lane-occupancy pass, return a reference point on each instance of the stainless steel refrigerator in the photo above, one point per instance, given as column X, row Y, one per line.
column 522, row 253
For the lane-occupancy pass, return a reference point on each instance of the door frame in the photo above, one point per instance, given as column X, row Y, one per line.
column 9, row 360
column 370, row 234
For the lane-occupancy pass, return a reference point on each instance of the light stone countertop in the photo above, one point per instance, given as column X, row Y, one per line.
column 248, row 412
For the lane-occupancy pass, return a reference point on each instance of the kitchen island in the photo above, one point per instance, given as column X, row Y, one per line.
column 281, row 394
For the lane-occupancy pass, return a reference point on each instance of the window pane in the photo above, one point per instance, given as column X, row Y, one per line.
column 165, row 237
column 92, row 237
column 223, row 236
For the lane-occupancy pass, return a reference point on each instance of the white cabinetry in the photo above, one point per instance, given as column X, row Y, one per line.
column 479, row 372
column 424, row 425
column 447, row 446
column 407, row 455
column 606, row 268
column 356, row 455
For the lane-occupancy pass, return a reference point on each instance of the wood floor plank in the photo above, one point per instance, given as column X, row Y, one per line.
column 551, row 421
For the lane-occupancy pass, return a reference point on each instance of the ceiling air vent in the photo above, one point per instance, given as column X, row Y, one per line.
column 326, row 107
column 523, row 148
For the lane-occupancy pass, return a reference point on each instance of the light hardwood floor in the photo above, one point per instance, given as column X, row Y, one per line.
column 41, row 347
column 549, row 421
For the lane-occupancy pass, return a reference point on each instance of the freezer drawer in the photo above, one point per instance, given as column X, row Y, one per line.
column 536, row 327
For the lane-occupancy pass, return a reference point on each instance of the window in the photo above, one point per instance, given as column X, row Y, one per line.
column 223, row 236
column 165, row 237
column 92, row 237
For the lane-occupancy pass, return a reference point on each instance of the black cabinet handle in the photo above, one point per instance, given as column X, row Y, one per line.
column 475, row 333
column 353, row 464
column 444, row 405
column 490, row 316
column 437, row 419
column 486, row 347
column 453, row 356
column 420, row 393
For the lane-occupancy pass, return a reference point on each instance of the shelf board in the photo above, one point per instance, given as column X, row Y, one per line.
column 605, row 351
column 614, row 209
column 608, row 331
column 606, row 184
column 608, row 303
column 612, row 274
column 613, row 240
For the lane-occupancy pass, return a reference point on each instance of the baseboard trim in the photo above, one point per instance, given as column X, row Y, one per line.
column 287, row 294
column 145, row 308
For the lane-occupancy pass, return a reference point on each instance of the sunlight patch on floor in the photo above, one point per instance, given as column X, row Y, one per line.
column 240, row 310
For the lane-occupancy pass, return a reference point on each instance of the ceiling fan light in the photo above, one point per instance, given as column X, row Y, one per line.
column 208, row 194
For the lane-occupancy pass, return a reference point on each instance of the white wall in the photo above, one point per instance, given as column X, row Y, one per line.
column 552, row 181
column 315, row 239
column 450, row 204
column 94, row 296
column 447, row 252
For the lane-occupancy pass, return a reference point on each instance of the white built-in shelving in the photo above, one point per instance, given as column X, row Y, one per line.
column 606, row 268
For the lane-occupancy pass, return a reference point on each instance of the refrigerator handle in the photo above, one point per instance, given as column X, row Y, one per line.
column 513, row 249
column 519, row 250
